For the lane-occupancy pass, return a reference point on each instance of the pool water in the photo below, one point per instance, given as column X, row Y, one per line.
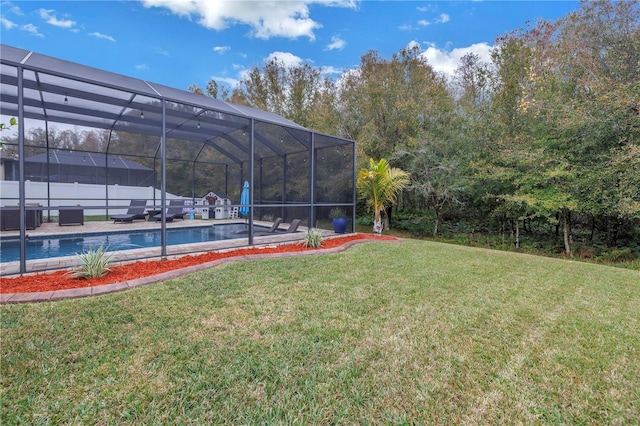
column 45, row 247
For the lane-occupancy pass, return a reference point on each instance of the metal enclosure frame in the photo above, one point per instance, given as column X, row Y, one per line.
column 213, row 136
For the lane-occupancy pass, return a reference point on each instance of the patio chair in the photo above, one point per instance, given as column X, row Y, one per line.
column 174, row 211
column 136, row 211
column 293, row 227
column 271, row 230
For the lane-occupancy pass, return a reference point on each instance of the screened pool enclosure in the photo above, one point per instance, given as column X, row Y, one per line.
column 177, row 145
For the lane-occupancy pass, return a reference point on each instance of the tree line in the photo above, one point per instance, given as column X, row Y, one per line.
column 542, row 138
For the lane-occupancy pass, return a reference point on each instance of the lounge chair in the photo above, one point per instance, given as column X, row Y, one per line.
column 136, row 211
column 174, row 211
column 293, row 227
column 271, row 230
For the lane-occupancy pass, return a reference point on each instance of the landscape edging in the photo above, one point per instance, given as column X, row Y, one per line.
column 74, row 293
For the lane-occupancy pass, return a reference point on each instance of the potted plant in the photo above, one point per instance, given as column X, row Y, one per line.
column 339, row 218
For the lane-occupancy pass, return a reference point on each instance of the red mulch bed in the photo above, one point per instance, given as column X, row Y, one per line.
column 62, row 280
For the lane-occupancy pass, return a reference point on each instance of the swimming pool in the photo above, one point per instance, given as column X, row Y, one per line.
column 44, row 247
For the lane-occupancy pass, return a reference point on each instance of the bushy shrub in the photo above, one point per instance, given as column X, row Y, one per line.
column 617, row 255
column 95, row 263
column 416, row 226
column 365, row 220
column 313, row 238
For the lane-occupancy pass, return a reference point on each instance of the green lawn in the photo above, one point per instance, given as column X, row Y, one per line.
column 385, row 333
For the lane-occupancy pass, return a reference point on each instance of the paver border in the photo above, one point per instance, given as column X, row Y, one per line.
column 75, row 293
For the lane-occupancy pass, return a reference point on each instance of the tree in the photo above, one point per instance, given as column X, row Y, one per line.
column 379, row 185
column 435, row 178
column 473, row 85
column 214, row 90
column 582, row 87
column 508, row 160
column 12, row 122
column 293, row 92
column 391, row 104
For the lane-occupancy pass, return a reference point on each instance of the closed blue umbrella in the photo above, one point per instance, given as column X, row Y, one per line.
column 244, row 200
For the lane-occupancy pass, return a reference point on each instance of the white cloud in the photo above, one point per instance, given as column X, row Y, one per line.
column 427, row 8
column 408, row 28
column 425, row 23
column 244, row 74
column 289, row 19
column 443, row 18
column 30, row 28
column 289, row 59
column 142, row 67
column 221, row 50
column 51, row 19
column 336, row 43
column 329, row 70
column 446, row 62
column 7, row 24
column 229, row 81
column 103, row 36
column 412, row 45
column 443, row 61
column 10, row 8
column 161, row 51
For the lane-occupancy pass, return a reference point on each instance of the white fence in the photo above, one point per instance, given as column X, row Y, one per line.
column 79, row 194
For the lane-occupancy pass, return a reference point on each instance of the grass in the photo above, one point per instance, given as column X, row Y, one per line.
column 539, row 245
column 409, row 333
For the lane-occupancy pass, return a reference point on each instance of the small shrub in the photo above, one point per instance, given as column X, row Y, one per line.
column 617, row 255
column 366, row 220
column 416, row 226
column 95, row 263
column 313, row 238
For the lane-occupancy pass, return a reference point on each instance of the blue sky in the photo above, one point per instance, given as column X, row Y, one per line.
column 184, row 42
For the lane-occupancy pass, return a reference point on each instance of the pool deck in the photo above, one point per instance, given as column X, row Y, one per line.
column 52, row 229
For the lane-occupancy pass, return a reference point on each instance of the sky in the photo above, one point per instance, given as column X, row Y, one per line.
column 183, row 42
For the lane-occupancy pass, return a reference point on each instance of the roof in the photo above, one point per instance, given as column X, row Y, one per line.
column 88, row 159
column 60, row 91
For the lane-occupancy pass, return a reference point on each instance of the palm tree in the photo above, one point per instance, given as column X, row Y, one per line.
column 379, row 185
